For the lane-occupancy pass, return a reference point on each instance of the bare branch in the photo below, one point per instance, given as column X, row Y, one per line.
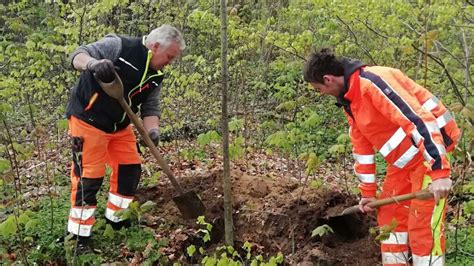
column 366, row 24
column 461, row 26
column 283, row 49
column 438, row 43
column 5, row 65
column 411, row 28
column 356, row 40
column 440, row 62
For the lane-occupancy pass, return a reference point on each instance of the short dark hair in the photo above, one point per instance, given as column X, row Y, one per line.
column 320, row 63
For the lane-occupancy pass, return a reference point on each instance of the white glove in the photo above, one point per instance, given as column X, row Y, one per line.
column 440, row 188
column 362, row 205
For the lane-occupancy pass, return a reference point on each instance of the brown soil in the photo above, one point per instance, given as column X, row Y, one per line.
column 275, row 215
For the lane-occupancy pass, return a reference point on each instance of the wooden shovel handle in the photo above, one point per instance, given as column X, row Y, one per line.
column 163, row 164
column 422, row 195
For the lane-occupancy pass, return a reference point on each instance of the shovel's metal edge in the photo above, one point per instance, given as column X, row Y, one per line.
column 190, row 205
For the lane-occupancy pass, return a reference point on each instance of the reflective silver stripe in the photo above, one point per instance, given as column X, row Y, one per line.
column 400, row 238
column 427, row 156
column 110, row 214
column 441, row 149
column 444, row 119
column 86, row 213
column 430, row 104
column 394, row 257
column 119, row 201
column 393, row 142
column 79, row 229
column 432, row 127
column 416, row 136
column 406, row 157
column 128, row 63
column 364, row 159
column 428, row 260
column 366, row 178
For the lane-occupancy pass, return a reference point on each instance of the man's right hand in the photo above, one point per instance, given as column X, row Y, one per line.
column 104, row 69
column 363, row 205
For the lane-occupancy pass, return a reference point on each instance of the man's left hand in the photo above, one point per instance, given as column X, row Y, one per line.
column 440, row 188
column 154, row 135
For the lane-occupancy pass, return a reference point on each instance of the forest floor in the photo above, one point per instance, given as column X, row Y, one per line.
column 273, row 215
column 276, row 207
column 273, row 211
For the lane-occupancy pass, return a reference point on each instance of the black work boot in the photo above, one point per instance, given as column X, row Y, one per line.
column 119, row 225
column 83, row 245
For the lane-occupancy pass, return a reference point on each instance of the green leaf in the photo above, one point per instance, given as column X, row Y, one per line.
column 23, row 218
column 134, row 206
column 201, row 220
column 99, row 224
column 32, row 224
column 236, row 124
column 30, row 45
column 4, row 165
column 191, row 250
column 208, row 137
column 322, row 230
column 279, row 258
column 154, row 178
column 147, row 206
column 469, row 207
column 62, row 124
column 343, row 139
column 316, row 183
column 109, row 232
column 206, row 238
column 312, row 163
column 124, row 214
column 337, row 149
column 203, row 139
column 8, row 227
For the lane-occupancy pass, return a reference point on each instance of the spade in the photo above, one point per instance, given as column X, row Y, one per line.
column 188, row 202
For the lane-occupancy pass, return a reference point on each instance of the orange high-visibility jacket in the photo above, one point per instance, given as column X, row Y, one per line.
column 388, row 111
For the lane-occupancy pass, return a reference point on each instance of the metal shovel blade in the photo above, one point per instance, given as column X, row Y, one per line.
column 190, row 205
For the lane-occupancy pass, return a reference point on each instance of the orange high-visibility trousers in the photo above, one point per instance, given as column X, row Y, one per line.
column 119, row 151
column 419, row 224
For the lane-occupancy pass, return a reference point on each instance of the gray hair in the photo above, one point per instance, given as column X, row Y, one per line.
column 165, row 35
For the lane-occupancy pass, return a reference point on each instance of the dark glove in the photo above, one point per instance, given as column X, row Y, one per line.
column 103, row 69
column 154, row 135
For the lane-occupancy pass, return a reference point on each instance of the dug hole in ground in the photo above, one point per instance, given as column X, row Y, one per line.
column 273, row 214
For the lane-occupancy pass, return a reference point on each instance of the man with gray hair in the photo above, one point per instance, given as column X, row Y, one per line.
column 101, row 130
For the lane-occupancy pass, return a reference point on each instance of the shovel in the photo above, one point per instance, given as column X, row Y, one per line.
column 348, row 225
column 188, row 203
column 421, row 195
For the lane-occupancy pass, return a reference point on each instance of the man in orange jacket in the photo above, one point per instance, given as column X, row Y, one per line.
column 413, row 131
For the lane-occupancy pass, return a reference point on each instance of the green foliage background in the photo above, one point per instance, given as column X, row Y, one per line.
column 431, row 41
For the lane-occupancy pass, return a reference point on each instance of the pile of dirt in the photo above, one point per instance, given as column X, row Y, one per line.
column 274, row 215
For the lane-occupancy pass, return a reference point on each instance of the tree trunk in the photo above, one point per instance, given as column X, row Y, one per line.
column 229, row 225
